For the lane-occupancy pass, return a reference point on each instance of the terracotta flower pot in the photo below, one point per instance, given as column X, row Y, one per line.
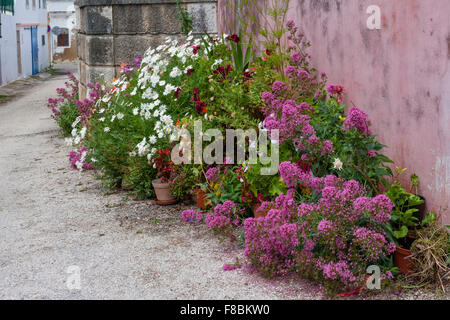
column 200, row 197
column 400, row 261
column 163, row 195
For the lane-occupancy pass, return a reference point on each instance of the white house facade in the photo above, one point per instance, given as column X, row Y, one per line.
column 24, row 38
column 62, row 19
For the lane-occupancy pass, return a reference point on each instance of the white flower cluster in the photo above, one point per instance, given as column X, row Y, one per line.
column 77, row 135
column 79, row 163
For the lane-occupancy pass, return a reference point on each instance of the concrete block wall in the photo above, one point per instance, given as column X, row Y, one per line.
column 110, row 32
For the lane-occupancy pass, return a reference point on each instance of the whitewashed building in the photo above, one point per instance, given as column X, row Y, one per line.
column 62, row 19
column 24, row 38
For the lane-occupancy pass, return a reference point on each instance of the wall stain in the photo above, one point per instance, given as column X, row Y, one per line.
column 448, row 47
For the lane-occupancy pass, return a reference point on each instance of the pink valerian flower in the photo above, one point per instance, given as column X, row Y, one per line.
column 357, row 119
column 371, row 153
column 192, row 216
column 327, row 147
column 85, row 109
column 373, row 244
column 68, row 94
column 78, row 160
column 137, row 62
column 326, row 226
column 340, row 271
column 212, row 174
column 291, row 121
column 229, row 267
column 344, row 221
column 224, row 218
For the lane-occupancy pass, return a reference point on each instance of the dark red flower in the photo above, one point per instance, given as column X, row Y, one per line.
column 200, row 106
column 246, row 75
column 196, row 91
column 189, row 72
column 224, row 71
column 234, row 37
column 304, row 166
column 177, row 92
column 195, row 49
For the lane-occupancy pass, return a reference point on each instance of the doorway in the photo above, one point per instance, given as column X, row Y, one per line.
column 34, row 50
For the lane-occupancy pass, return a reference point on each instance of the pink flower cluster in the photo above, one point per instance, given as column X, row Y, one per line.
column 78, row 161
column 192, row 216
column 68, row 94
column 333, row 239
column 222, row 220
column 293, row 122
column 357, row 119
column 271, row 242
column 212, row 174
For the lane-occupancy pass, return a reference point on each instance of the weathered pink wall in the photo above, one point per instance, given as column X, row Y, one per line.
column 400, row 75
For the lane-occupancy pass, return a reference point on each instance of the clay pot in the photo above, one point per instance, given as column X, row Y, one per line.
column 200, row 197
column 400, row 261
column 163, row 195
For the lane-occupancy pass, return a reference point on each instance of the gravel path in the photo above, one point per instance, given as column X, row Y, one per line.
column 52, row 218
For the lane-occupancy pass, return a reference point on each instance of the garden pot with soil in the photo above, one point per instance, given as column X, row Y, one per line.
column 163, row 194
column 400, row 260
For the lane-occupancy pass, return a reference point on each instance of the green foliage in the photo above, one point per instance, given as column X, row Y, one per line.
column 183, row 180
column 402, row 218
column 228, row 187
column 139, row 177
column 242, row 54
column 67, row 116
column 351, row 147
column 185, row 18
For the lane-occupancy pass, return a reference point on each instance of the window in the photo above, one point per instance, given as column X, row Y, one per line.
column 7, row 6
column 44, row 4
column 34, row 4
column 63, row 40
column 27, row 4
column 43, row 40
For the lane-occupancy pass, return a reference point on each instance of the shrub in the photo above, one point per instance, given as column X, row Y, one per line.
column 333, row 240
column 64, row 108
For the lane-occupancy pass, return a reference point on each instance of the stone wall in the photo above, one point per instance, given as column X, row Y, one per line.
column 110, row 32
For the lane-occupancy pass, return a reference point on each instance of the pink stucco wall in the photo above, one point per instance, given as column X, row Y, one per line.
column 400, row 75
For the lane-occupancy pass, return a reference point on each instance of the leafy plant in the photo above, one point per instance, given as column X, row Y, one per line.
column 67, row 116
column 242, row 54
column 403, row 219
column 415, row 183
column 182, row 180
column 185, row 18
